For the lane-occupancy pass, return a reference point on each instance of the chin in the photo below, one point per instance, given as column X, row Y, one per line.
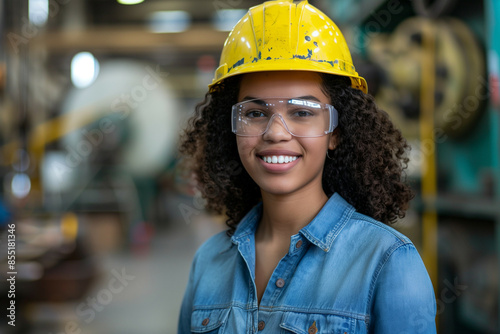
column 279, row 189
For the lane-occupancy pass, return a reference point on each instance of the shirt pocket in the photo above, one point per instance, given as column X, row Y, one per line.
column 208, row 320
column 313, row 323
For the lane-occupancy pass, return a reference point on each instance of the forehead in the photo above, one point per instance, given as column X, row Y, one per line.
column 282, row 84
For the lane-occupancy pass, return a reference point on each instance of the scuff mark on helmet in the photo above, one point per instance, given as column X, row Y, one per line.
column 238, row 63
column 256, row 59
column 309, row 54
column 326, row 61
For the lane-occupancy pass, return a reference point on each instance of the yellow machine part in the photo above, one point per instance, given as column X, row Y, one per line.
column 458, row 71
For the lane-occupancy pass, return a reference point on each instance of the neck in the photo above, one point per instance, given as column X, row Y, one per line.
column 284, row 215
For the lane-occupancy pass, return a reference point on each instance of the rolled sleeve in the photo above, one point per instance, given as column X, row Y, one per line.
column 403, row 300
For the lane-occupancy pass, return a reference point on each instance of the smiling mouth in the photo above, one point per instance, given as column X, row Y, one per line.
column 278, row 159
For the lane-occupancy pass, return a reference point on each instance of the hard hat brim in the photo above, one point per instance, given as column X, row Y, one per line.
column 295, row 64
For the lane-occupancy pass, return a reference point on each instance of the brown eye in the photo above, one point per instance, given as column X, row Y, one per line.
column 255, row 114
column 303, row 113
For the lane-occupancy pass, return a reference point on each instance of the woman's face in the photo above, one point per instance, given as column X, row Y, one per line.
column 304, row 173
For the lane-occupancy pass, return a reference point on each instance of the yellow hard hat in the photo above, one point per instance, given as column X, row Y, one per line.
column 283, row 36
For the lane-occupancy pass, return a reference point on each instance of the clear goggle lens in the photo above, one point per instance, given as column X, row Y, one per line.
column 300, row 117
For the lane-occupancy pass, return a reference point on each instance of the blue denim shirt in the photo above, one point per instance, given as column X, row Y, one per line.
column 344, row 273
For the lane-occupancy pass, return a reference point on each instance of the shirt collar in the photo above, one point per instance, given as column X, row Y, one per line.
column 328, row 223
column 248, row 224
column 321, row 231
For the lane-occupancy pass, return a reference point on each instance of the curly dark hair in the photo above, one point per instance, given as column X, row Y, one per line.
column 366, row 169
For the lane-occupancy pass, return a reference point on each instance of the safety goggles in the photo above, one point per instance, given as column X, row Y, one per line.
column 300, row 117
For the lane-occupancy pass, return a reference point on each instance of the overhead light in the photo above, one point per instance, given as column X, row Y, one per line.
column 225, row 19
column 84, row 69
column 130, row 2
column 56, row 176
column 38, row 11
column 169, row 21
column 20, row 185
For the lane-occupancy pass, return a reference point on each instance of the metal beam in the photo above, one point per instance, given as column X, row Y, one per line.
column 130, row 39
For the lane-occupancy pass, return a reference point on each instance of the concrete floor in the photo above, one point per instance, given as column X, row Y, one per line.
column 150, row 302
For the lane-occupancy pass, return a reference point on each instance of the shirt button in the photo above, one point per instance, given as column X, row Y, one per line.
column 280, row 282
column 205, row 321
column 298, row 244
column 261, row 326
column 312, row 329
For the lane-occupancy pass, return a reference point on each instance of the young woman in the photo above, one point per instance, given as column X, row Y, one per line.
column 308, row 171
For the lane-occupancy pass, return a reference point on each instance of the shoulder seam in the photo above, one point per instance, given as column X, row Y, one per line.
column 391, row 230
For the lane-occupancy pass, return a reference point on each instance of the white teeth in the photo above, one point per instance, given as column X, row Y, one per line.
column 279, row 159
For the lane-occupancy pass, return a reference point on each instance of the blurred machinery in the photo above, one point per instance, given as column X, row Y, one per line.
column 128, row 123
column 52, row 267
column 99, row 162
column 459, row 69
column 435, row 69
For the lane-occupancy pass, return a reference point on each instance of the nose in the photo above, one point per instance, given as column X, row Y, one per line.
column 276, row 129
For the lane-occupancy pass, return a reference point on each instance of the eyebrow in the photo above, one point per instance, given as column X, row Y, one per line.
column 308, row 97
column 262, row 101
column 256, row 100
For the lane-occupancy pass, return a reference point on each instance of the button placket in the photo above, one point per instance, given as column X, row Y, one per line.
column 296, row 245
column 283, row 271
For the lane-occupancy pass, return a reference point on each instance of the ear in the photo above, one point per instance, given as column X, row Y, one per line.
column 333, row 141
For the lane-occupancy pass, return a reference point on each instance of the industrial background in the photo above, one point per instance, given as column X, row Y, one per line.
column 93, row 97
